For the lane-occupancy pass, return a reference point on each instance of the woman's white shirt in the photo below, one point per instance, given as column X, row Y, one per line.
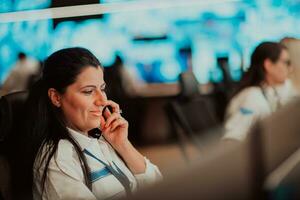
column 66, row 180
column 253, row 104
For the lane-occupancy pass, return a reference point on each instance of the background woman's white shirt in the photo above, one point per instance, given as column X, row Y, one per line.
column 252, row 104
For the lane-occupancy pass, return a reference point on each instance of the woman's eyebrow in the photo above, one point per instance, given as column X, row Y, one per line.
column 93, row 86
column 86, row 86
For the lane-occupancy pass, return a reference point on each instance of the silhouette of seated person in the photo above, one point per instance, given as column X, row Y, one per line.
column 20, row 74
column 113, row 79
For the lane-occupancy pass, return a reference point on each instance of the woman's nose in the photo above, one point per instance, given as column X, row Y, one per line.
column 100, row 98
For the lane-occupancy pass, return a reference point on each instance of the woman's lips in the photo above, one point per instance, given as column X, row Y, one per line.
column 97, row 113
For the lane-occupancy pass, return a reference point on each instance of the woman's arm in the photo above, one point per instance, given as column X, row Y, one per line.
column 133, row 159
column 115, row 131
column 144, row 171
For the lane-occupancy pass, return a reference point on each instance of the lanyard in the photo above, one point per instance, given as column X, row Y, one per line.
column 117, row 173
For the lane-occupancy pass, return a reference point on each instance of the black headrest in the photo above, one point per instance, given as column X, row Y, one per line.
column 12, row 114
column 11, row 109
column 189, row 85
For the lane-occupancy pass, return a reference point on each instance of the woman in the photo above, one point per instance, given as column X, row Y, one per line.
column 64, row 106
column 263, row 89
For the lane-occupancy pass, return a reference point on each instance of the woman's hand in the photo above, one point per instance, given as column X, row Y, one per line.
column 115, row 131
column 114, row 127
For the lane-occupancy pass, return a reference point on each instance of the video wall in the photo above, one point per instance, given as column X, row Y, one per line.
column 156, row 44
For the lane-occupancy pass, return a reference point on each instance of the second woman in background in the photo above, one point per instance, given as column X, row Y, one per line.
column 263, row 89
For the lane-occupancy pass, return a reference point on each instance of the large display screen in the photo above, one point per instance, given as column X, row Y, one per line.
column 157, row 44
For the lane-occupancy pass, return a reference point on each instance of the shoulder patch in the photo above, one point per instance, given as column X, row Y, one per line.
column 246, row 111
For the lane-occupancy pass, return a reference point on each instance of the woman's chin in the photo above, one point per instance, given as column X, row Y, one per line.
column 95, row 125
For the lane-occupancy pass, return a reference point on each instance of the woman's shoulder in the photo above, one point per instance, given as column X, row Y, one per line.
column 67, row 159
column 250, row 92
column 64, row 149
column 66, row 152
column 250, row 97
column 64, row 159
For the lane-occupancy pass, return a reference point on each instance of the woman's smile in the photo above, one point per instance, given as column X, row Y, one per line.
column 96, row 113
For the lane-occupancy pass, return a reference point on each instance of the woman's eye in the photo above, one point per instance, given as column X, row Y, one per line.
column 87, row 91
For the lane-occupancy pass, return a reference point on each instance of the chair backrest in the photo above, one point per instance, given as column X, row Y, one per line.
column 189, row 86
column 225, row 69
column 11, row 106
column 11, row 116
column 194, row 116
column 191, row 113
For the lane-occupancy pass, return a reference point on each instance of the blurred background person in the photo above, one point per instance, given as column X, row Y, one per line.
column 293, row 45
column 264, row 88
column 121, row 84
column 19, row 78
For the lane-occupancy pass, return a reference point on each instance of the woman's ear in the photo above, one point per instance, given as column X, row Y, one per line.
column 268, row 66
column 55, row 97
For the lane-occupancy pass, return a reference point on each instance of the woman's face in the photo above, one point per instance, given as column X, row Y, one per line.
column 84, row 100
column 278, row 72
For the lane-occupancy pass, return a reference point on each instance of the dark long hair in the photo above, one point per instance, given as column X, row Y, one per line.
column 45, row 126
column 256, row 72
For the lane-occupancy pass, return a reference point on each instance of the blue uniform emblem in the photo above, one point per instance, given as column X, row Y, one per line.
column 96, row 175
column 246, row 111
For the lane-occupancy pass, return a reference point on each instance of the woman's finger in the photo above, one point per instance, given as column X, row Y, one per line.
column 102, row 123
column 118, row 122
column 106, row 113
column 112, row 118
column 114, row 105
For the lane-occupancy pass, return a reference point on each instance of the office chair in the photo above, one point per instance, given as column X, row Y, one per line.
column 190, row 113
column 11, row 116
column 189, row 86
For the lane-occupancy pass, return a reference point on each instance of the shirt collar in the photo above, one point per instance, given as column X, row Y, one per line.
column 83, row 140
column 285, row 85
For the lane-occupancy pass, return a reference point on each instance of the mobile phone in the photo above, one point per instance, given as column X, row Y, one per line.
column 96, row 132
